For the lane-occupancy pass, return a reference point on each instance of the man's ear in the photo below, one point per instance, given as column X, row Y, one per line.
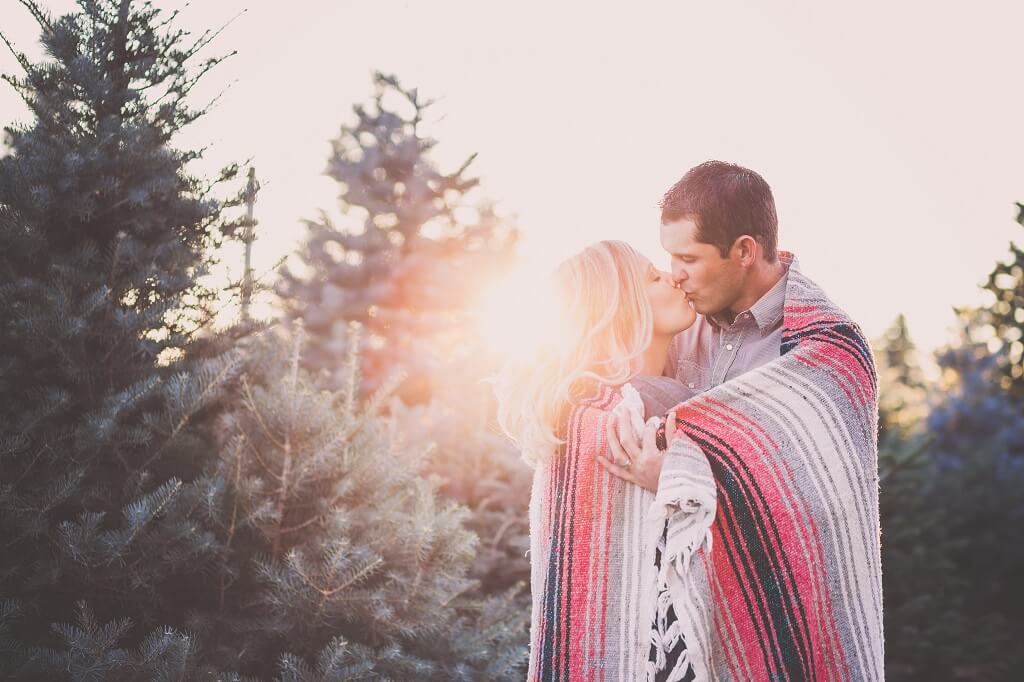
column 745, row 249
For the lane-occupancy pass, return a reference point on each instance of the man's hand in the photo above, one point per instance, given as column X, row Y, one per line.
column 638, row 463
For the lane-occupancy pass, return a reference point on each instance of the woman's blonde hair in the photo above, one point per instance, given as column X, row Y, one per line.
column 601, row 325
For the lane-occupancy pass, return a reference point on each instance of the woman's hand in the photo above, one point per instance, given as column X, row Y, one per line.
column 638, row 463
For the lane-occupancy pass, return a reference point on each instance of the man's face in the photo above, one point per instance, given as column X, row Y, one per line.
column 712, row 283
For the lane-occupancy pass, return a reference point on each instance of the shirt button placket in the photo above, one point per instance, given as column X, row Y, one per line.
column 728, row 360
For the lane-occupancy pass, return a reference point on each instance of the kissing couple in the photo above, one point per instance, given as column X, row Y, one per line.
column 705, row 444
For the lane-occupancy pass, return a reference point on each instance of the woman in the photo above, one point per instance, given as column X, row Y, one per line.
column 595, row 584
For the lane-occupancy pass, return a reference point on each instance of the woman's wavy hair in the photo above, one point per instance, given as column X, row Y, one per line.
column 601, row 326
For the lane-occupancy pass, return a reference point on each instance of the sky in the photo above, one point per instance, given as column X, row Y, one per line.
column 890, row 133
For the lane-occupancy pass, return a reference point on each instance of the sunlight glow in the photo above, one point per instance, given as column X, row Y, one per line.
column 516, row 312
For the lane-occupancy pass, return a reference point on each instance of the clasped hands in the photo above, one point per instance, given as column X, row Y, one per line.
column 638, row 461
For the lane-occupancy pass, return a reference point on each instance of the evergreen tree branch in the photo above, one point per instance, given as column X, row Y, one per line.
column 259, row 459
column 237, row 454
column 230, row 366
column 250, row 404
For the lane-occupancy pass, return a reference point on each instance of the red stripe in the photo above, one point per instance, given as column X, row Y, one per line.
column 735, row 583
column 608, row 480
column 583, row 511
column 821, row 613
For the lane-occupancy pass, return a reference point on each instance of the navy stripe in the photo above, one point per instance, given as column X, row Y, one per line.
column 768, row 569
column 556, row 635
column 840, row 334
column 550, row 646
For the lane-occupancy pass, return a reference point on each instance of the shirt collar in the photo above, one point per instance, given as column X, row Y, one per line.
column 768, row 309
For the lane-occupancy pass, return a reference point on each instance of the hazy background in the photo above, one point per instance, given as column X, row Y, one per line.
column 889, row 132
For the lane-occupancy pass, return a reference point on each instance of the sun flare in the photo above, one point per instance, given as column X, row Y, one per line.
column 516, row 311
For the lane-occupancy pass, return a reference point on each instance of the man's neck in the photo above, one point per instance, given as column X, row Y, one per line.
column 762, row 279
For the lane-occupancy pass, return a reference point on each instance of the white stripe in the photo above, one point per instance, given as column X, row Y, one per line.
column 782, row 479
column 814, row 430
column 869, row 548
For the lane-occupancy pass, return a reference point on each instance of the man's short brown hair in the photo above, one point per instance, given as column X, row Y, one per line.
column 724, row 201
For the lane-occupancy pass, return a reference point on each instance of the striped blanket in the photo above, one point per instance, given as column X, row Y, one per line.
column 773, row 550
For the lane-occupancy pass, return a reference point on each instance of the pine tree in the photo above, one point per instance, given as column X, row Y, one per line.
column 407, row 259
column 338, row 550
column 902, row 384
column 1004, row 317
column 335, row 560
column 168, row 510
column 479, row 467
column 102, row 238
column 951, row 506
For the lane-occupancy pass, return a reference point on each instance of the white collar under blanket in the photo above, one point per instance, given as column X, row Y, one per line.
column 773, row 550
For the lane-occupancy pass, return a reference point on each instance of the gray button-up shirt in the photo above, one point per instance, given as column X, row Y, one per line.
column 712, row 351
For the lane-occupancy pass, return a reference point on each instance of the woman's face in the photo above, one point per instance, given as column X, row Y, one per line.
column 671, row 309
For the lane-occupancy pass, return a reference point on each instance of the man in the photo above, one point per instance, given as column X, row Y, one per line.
column 720, row 228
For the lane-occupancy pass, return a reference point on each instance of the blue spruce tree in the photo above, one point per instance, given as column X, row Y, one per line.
column 338, row 551
column 405, row 261
column 951, row 462
column 1004, row 316
column 102, row 237
column 176, row 504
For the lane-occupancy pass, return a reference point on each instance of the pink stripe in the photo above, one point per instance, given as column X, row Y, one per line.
column 735, row 584
column 583, row 510
column 607, row 479
column 751, row 450
column 724, row 633
column 822, row 613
